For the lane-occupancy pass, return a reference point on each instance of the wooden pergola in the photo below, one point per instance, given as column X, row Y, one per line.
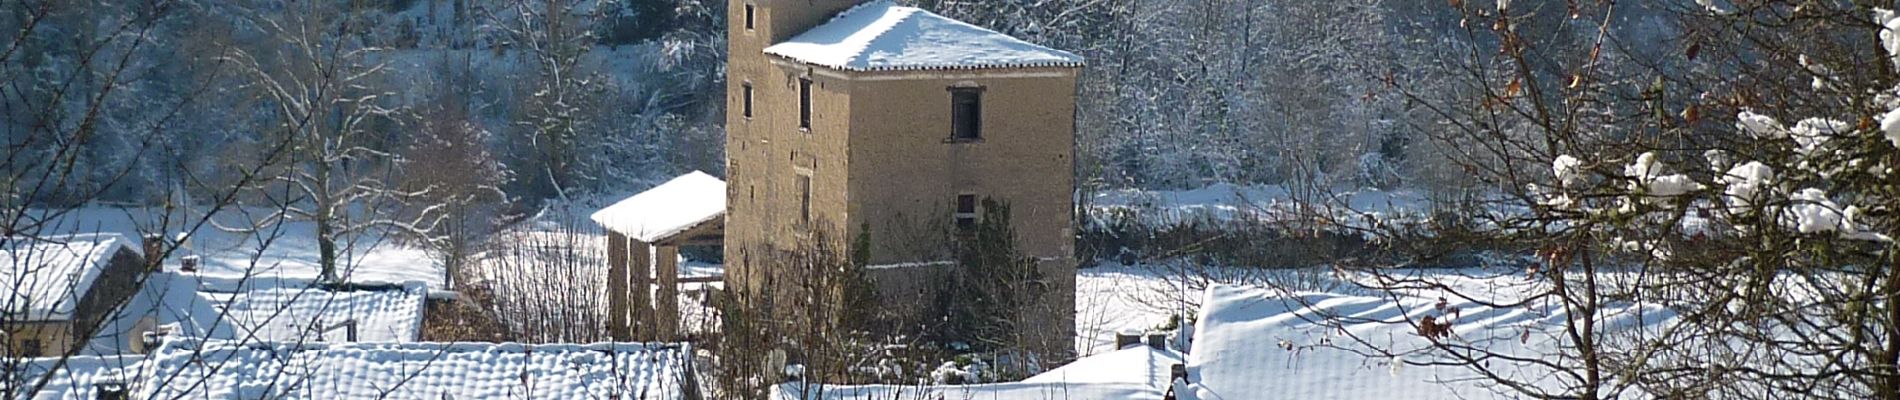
column 644, row 236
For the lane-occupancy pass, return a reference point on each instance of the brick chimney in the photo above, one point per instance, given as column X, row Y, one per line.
column 152, row 247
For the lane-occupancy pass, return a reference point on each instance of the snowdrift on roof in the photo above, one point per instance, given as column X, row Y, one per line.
column 46, row 277
column 229, row 370
column 666, row 210
column 881, row 35
column 1250, row 341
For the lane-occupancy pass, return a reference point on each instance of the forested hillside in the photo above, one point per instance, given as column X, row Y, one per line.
column 542, row 99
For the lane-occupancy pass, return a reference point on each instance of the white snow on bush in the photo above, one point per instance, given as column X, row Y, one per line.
column 1569, row 170
column 1811, row 133
column 670, row 208
column 46, row 277
column 1760, row 126
column 1744, row 182
column 1813, row 212
column 1889, row 32
column 881, row 35
column 1650, row 180
column 1890, row 125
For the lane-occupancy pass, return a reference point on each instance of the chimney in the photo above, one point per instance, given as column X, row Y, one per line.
column 1123, row 340
column 1158, row 341
column 153, row 246
column 188, row 263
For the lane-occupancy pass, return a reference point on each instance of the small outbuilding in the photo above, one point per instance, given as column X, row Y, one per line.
column 644, row 236
column 55, row 290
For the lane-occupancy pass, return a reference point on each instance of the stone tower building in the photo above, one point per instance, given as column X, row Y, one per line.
column 844, row 117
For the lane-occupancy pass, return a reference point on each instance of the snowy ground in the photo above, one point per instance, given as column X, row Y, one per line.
column 1259, row 201
column 286, row 250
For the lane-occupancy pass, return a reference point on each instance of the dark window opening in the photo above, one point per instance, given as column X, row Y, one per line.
column 804, row 198
column 30, row 348
column 748, row 99
column 966, row 113
column 966, row 212
column 748, row 17
column 804, row 103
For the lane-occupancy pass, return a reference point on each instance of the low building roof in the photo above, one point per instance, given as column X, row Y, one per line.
column 312, row 312
column 1140, row 364
column 665, row 211
column 988, row 391
column 44, row 278
column 1252, row 340
column 881, row 35
column 194, row 368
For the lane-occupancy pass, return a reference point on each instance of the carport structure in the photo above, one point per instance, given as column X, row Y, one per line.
column 644, row 236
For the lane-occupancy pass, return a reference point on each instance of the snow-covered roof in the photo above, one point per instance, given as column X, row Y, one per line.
column 292, row 313
column 881, row 35
column 1136, row 364
column 1250, row 340
column 46, row 277
column 666, row 210
column 190, row 368
column 990, row 391
column 80, row 378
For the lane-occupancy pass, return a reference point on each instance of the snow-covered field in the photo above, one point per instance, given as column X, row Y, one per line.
column 1226, row 201
column 287, row 250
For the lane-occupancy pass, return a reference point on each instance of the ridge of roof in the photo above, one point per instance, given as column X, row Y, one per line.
column 883, row 36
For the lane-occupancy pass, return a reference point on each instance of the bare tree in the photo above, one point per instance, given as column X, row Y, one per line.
column 1667, row 181
column 322, row 84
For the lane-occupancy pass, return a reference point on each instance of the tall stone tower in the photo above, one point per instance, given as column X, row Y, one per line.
column 894, row 123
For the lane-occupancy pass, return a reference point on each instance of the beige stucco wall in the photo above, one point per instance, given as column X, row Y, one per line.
column 767, row 152
column 878, row 156
column 56, row 337
column 906, row 174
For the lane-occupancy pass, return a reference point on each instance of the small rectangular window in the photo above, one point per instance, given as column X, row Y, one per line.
column 748, row 17
column 804, row 103
column 966, row 113
column 747, row 88
column 804, row 198
column 30, row 348
column 966, row 211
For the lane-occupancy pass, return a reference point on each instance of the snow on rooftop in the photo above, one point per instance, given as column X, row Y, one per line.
column 293, row 313
column 666, row 210
column 881, row 35
column 991, row 391
column 46, row 277
column 222, row 369
column 1136, row 364
column 80, row 378
column 1242, row 340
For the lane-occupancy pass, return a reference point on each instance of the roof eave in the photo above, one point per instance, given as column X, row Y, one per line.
column 793, row 61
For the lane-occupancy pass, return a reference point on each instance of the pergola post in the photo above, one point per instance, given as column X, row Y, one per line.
column 666, row 299
column 618, row 305
column 643, row 287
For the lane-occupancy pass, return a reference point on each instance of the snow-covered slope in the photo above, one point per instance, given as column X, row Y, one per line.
column 881, row 35
column 286, row 250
